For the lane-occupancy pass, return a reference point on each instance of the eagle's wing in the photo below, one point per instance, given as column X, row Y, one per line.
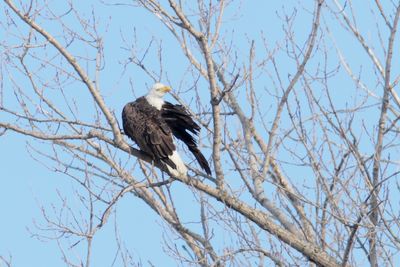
column 147, row 128
column 180, row 122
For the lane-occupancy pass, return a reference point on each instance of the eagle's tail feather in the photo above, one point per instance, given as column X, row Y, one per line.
column 178, row 166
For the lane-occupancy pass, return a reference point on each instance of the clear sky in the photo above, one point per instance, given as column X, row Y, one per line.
column 26, row 184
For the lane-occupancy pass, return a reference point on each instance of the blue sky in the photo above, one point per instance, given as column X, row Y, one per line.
column 26, row 185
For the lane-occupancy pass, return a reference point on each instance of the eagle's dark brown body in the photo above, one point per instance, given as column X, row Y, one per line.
column 153, row 130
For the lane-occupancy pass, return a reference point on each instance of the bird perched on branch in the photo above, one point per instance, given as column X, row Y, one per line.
column 152, row 122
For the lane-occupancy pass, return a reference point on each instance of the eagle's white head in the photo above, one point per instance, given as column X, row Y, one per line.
column 156, row 94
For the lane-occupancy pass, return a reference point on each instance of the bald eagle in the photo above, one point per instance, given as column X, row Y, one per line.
column 152, row 122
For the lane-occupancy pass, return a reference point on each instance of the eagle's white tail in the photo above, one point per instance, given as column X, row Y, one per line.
column 180, row 166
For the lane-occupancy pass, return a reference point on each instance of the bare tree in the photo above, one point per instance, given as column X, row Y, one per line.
column 302, row 131
column 6, row 262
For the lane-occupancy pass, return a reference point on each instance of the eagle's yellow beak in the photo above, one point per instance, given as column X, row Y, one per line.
column 165, row 89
